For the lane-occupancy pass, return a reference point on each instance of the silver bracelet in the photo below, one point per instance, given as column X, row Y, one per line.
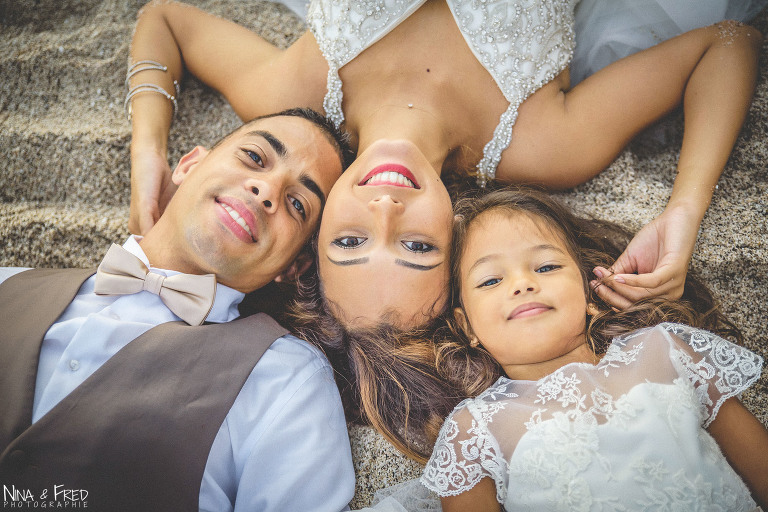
column 147, row 65
column 148, row 88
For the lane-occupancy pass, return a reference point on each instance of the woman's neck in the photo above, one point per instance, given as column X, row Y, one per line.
column 410, row 122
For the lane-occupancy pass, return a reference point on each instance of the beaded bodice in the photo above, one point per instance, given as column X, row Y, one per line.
column 523, row 44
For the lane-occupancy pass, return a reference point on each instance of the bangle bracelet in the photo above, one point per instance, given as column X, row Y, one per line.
column 148, row 88
column 147, row 65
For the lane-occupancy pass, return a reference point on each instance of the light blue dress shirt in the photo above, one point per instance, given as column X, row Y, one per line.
column 283, row 445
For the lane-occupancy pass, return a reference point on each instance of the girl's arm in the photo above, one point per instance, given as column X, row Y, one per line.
column 570, row 136
column 744, row 442
column 224, row 55
column 480, row 498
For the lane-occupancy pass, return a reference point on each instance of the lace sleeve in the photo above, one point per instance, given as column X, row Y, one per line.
column 717, row 368
column 466, row 451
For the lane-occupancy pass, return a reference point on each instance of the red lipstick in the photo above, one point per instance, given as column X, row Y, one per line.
column 396, row 168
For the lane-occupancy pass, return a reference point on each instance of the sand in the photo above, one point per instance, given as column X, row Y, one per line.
column 64, row 167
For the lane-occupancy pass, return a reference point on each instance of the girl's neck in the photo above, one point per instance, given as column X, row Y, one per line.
column 535, row 371
column 408, row 122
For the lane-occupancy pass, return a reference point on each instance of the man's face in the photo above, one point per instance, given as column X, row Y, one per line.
column 244, row 209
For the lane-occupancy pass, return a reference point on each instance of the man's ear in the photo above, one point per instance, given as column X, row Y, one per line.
column 463, row 322
column 187, row 163
column 294, row 271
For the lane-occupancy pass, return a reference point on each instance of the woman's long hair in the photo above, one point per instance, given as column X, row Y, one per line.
column 591, row 242
column 386, row 376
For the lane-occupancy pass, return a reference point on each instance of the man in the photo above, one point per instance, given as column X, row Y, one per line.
column 109, row 401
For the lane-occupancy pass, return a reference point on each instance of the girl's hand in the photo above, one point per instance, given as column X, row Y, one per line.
column 151, row 189
column 654, row 263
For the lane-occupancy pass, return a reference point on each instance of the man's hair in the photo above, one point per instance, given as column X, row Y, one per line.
column 338, row 138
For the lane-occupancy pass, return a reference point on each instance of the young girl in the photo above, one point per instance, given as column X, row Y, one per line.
column 597, row 409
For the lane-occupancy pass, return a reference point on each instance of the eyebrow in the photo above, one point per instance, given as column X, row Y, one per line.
column 313, row 187
column 273, row 141
column 403, row 263
column 537, row 248
column 282, row 151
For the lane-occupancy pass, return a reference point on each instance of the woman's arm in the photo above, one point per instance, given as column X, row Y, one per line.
column 224, row 55
column 566, row 138
column 744, row 442
column 715, row 102
column 480, row 498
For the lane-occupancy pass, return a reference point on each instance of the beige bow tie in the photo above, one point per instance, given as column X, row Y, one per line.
column 190, row 297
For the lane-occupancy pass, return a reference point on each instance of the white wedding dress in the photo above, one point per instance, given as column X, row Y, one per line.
column 625, row 434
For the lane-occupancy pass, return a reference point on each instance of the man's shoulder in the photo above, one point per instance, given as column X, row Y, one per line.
column 7, row 272
column 302, row 351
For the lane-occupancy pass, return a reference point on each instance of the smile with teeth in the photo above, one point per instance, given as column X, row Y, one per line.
column 237, row 218
column 390, row 177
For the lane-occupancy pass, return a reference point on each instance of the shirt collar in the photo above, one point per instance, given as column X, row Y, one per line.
column 227, row 299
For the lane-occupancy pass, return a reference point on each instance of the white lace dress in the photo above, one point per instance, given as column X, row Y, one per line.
column 626, row 434
column 523, row 44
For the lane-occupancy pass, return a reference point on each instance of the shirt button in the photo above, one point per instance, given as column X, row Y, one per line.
column 74, row 365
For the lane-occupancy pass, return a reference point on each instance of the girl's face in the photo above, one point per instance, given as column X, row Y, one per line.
column 385, row 238
column 523, row 294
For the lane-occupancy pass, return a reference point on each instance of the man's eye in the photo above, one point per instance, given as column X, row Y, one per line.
column 255, row 157
column 298, row 206
column 417, row 246
column 547, row 268
column 349, row 242
column 490, row 282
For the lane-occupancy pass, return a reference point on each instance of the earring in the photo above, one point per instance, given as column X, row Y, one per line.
column 473, row 341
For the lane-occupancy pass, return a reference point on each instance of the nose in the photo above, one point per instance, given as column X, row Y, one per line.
column 267, row 192
column 385, row 208
column 387, row 204
column 523, row 284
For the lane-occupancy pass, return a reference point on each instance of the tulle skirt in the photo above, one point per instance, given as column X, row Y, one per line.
column 607, row 30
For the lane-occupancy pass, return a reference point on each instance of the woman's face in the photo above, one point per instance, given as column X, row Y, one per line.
column 384, row 239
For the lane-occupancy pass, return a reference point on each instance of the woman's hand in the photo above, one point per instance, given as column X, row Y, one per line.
column 654, row 263
column 151, row 189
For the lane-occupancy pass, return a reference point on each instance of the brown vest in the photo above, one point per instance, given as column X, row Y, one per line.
column 137, row 433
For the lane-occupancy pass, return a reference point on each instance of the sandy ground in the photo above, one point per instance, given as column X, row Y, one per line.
column 64, row 167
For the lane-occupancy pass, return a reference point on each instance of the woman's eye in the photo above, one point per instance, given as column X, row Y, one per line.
column 298, row 206
column 255, row 157
column 417, row 246
column 349, row 242
column 489, row 282
column 547, row 268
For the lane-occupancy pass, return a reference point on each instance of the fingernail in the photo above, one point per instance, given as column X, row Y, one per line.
column 593, row 284
column 598, row 273
column 619, row 279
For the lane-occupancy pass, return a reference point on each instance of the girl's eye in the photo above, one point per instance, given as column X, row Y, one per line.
column 547, row 268
column 420, row 247
column 298, row 206
column 349, row 242
column 255, row 157
column 489, row 282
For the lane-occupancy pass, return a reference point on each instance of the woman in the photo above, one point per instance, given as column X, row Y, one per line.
column 431, row 88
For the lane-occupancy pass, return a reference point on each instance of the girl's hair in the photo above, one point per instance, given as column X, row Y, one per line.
column 387, row 376
column 591, row 242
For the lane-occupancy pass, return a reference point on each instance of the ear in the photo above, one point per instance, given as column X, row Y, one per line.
column 592, row 309
column 463, row 322
column 187, row 163
column 300, row 265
